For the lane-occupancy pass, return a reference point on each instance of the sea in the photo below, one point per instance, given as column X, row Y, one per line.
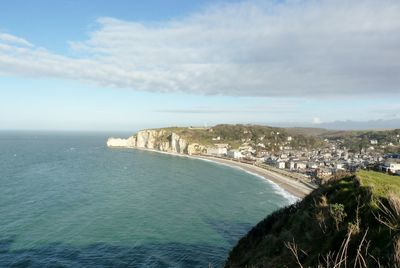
column 66, row 200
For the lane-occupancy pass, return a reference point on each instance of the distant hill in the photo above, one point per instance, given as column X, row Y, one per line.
column 354, row 222
column 379, row 124
column 362, row 125
column 308, row 131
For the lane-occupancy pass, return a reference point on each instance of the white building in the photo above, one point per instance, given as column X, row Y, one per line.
column 218, row 150
column 300, row 165
column 234, row 154
column 284, row 156
column 338, row 165
column 312, row 165
column 280, row 164
column 391, row 166
column 247, row 149
column 290, row 165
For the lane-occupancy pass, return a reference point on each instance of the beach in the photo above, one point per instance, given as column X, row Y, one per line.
column 291, row 186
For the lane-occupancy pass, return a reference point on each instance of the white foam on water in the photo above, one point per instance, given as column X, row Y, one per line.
column 277, row 189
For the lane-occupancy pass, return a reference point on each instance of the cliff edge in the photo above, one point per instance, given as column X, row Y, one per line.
column 351, row 222
column 157, row 139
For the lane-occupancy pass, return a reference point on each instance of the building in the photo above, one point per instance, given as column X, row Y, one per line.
column 312, row 165
column 323, row 172
column 218, row 150
column 391, row 165
column 280, row 164
column 290, row 165
column 338, row 165
column 300, row 165
column 234, row 154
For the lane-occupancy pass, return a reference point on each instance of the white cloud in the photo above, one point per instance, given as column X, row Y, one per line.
column 8, row 38
column 316, row 120
column 295, row 48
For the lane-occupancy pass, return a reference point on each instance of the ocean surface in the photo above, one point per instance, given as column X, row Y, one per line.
column 66, row 200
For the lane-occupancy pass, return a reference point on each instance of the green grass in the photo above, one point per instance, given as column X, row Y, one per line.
column 381, row 184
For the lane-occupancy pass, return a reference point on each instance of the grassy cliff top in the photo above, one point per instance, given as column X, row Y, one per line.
column 236, row 135
column 381, row 184
column 353, row 222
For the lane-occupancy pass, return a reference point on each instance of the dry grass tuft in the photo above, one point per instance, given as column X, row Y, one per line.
column 389, row 212
column 323, row 201
column 394, row 203
column 396, row 253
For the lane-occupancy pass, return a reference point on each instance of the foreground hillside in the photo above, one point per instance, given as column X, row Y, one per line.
column 351, row 222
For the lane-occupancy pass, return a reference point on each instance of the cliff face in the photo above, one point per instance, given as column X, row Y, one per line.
column 153, row 139
column 124, row 143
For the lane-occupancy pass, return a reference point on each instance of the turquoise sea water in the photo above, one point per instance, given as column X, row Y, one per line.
column 68, row 201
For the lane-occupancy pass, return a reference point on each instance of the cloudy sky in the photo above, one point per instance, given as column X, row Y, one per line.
column 122, row 65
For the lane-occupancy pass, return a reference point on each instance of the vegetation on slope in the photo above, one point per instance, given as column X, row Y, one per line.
column 273, row 138
column 351, row 222
column 381, row 184
column 236, row 135
column 309, row 131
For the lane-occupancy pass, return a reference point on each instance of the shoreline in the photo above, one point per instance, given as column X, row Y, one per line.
column 288, row 185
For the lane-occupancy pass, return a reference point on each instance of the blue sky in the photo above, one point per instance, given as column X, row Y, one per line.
column 125, row 65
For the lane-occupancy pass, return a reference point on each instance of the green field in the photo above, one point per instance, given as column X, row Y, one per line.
column 381, row 184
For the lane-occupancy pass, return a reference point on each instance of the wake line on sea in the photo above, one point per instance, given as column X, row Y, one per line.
column 277, row 189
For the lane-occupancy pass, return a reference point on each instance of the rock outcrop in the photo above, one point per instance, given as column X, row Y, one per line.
column 161, row 140
column 124, row 143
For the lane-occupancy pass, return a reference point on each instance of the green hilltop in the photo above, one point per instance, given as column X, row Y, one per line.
column 350, row 222
column 237, row 135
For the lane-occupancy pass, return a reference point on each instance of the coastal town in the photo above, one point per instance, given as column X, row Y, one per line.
column 310, row 156
column 330, row 159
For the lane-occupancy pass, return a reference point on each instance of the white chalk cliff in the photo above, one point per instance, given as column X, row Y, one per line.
column 124, row 143
column 154, row 139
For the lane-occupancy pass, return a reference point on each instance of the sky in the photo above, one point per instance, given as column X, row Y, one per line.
column 125, row 65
